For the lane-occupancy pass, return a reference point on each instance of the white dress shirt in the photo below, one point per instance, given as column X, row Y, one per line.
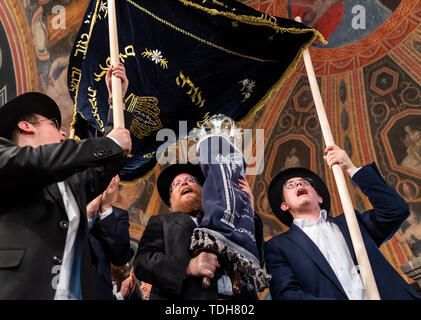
column 66, row 290
column 102, row 216
column 63, row 291
column 331, row 243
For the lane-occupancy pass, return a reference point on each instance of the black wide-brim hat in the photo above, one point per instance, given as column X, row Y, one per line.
column 276, row 188
column 30, row 102
column 168, row 174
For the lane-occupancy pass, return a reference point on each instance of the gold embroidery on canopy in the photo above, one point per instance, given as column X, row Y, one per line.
column 94, row 104
column 263, row 20
column 145, row 113
column 194, row 92
column 196, row 37
column 76, row 88
column 128, row 51
column 155, row 56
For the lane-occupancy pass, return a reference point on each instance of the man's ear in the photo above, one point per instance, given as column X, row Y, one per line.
column 25, row 127
column 284, row 206
column 320, row 199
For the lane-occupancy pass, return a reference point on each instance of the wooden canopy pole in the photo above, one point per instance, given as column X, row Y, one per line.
column 117, row 94
column 351, row 219
column 118, row 113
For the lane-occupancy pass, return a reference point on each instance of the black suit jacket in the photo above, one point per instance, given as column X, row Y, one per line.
column 163, row 256
column 33, row 220
column 109, row 239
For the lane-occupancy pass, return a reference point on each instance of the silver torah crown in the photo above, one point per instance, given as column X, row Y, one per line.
column 222, row 125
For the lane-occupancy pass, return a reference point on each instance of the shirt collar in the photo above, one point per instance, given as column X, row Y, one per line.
column 197, row 216
column 309, row 222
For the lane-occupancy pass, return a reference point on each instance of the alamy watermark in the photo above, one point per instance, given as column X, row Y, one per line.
column 59, row 20
column 250, row 144
column 359, row 19
column 56, row 272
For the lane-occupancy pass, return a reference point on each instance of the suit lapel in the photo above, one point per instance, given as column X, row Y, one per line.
column 72, row 182
column 298, row 236
column 184, row 220
column 54, row 192
column 75, row 194
column 341, row 223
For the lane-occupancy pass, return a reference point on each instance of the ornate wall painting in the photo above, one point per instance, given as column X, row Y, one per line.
column 402, row 138
column 288, row 150
column 7, row 74
column 403, row 145
column 393, row 98
column 18, row 73
column 335, row 18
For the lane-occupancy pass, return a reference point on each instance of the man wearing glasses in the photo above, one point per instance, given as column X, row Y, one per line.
column 315, row 259
column 163, row 258
column 45, row 184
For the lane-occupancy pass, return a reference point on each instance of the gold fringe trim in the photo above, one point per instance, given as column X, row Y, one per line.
column 252, row 20
column 196, row 37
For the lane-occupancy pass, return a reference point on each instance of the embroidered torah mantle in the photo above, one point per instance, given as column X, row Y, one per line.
column 227, row 226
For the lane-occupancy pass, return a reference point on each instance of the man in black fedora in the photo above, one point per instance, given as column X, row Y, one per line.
column 163, row 257
column 315, row 259
column 46, row 182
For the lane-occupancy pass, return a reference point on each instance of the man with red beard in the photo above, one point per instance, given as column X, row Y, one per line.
column 163, row 258
column 315, row 259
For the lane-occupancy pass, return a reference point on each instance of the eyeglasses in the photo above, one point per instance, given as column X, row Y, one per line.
column 294, row 183
column 53, row 120
column 177, row 183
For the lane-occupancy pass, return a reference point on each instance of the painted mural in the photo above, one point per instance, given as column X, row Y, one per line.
column 369, row 78
column 7, row 74
column 39, row 35
column 342, row 22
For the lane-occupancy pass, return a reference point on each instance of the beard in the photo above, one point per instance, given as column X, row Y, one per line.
column 186, row 206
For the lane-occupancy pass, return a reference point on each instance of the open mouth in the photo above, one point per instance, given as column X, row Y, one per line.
column 301, row 192
column 186, row 191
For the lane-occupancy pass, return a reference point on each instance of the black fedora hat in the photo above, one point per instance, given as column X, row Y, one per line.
column 168, row 174
column 30, row 102
column 275, row 190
